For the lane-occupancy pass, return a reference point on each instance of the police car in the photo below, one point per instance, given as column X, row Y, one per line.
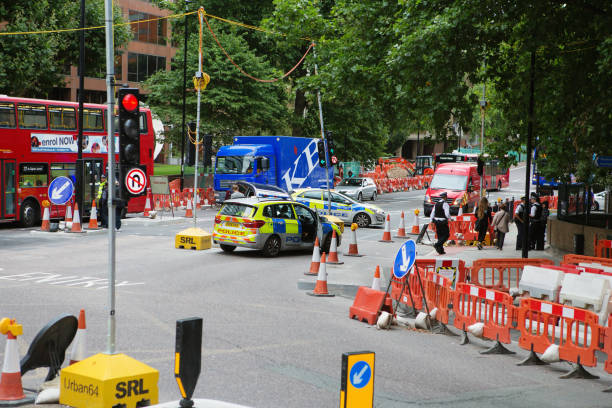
column 270, row 225
column 342, row 206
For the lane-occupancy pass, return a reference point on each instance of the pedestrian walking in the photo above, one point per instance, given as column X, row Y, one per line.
column 519, row 221
column 440, row 214
column 483, row 219
column 500, row 223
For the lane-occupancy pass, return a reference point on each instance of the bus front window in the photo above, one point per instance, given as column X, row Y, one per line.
column 235, row 165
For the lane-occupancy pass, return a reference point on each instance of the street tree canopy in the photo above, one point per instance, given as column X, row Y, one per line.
column 34, row 64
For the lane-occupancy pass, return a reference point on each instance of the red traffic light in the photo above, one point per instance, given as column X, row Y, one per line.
column 334, row 160
column 129, row 102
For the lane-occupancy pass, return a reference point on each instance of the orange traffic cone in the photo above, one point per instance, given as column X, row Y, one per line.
column 401, row 231
column 316, row 259
column 189, row 212
column 68, row 217
column 320, row 288
column 376, row 280
column 147, row 208
column 352, row 249
column 198, row 204
column 333, row 250
column 387, row 234
column 93, row 217
column 416, row 229
column 79, row 344
column 76, row 220
column 45, row 226
column 11, row 388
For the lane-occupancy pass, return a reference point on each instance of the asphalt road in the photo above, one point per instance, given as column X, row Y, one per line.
column 266, row 343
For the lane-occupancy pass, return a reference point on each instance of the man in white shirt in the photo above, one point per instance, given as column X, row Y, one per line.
column 236, row 193
column 440, row 214
column 519, row 222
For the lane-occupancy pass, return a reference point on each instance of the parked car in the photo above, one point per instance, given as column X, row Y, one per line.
column 270, row 225
column 342, row 206
column 599, row 201
column 358, row 188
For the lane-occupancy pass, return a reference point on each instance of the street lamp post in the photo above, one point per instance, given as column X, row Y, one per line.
column 483, row 105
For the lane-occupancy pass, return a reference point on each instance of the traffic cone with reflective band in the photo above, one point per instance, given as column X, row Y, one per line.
column 189, row 212
column 415, row 226
column 76, row 221
column 333, row 250
column 352, row 249
column 401, row 231
column 147, row 208
column 10, row 384
column 387, row 234
column 45, row 226
column 320, row 288
column 376, row 280
column 198, row 204
column 460, row 211
column 79, row 344
column 68, row 217
column 93, row 217
column 316, row 259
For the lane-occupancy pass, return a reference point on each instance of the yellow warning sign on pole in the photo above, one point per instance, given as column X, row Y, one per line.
column 357, row 383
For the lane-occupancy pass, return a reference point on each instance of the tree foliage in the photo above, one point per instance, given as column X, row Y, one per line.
column 34, row 64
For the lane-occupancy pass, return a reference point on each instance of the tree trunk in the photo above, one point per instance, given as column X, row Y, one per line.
column 298, row 111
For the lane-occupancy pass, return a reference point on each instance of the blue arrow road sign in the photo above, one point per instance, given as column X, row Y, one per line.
column 60, row 190
column 603, row 161
column 404, row 259
column 360, row 374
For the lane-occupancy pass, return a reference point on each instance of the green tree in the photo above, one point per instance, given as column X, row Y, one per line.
column 232, row 104
column 34, row 64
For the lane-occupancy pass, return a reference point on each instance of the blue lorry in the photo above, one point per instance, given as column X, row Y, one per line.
column 283, row 161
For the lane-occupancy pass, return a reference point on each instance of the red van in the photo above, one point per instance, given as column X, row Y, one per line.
column 461, row 183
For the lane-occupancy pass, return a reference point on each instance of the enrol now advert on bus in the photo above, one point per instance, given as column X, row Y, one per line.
column 62, row 143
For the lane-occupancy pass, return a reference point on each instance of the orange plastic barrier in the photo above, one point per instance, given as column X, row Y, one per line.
column 368, row 304
column 439, row 294
column 576, row 259
column 465, row 227
column 607, row 346
column 577, row 334
column 502, row 273
column 411, row 296
column 603, row 247
column 493, row 308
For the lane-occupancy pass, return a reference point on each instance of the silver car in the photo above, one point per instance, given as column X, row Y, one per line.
column 358, row 188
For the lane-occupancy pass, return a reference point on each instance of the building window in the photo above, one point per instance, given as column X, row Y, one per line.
column 149, row 28
column 118, row 67
column 142, row 66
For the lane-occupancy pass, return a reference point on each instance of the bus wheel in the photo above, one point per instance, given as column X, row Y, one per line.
column 29, row 213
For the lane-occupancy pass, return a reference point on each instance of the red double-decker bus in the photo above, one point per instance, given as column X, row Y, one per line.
column 38, row 142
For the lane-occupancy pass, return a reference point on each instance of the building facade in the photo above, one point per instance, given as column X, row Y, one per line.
column 149, row 50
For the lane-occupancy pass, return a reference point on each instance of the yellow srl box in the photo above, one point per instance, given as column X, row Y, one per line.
column 104, row 380
column 337, row 221
column 193, row 238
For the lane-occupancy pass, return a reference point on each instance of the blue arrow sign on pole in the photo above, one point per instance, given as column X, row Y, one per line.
column 60, row 190
column 404, row 259
column 603, row 161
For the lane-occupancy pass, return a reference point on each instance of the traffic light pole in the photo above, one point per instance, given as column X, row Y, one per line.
column 110, row 97
column 323, row 136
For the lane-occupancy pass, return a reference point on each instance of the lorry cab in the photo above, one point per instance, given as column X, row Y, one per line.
column 461, row 183
column 254, row 163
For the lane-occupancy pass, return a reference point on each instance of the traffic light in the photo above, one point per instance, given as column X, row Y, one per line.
column 480, row 168
column 321, row 149
column 191, row 129
column 207, row 150
column 331, row 150
column 129, row 127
